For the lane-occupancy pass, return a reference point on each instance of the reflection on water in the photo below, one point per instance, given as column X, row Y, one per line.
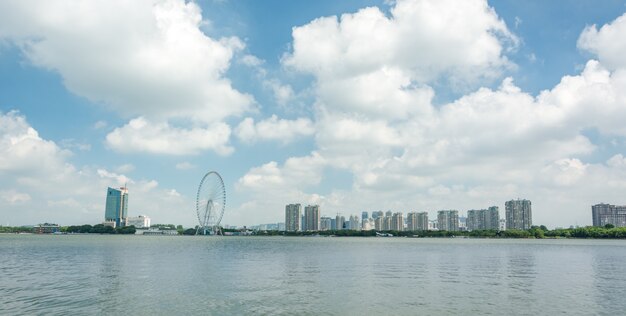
column 309, row 276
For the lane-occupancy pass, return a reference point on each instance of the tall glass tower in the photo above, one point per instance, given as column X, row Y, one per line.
column 116, row 206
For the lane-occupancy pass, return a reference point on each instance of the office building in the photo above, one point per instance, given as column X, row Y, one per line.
column 518, row 214
column 116, row 206
column 292, row 217
column 364, row 216
column 483, row 219
column 312, row 217
column 448, row 220
column 141, row 221
column 603, row 214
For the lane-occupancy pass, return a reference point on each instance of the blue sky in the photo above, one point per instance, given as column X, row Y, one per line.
column 409, row 105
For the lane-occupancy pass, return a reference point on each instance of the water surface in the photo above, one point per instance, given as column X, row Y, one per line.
column 101, row 274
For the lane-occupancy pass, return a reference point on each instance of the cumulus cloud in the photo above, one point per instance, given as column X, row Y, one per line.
column 145, row 58
column 36, row 172
column 375, row 118
column 607, row 42
column 141, row 135
column 274, row 128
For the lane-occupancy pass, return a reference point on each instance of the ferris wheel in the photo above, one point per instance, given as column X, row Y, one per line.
column 210, row 203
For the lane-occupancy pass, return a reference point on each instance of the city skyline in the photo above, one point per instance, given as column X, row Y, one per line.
column 351, row 105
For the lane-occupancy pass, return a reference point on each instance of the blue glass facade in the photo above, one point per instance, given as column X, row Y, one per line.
column 116, row 206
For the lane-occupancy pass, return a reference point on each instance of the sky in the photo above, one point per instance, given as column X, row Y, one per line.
column 407, row 105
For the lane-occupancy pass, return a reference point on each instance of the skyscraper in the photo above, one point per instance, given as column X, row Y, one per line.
column 292, row 217
column 116, row 206
column 448, row 220
column 339, row 220
column 312, row 217
column 377, row 214
column 518, row 214
column 325, row 223
column 364, row 216
column 603, row 214
column 417, row 221
column 422, row 221
column 397, row 221
column 483, row 219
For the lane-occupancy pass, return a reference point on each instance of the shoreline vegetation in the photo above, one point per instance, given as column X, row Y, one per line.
column 537, row 232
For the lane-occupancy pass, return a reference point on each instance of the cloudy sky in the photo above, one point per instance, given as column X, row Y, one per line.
column 408, row 105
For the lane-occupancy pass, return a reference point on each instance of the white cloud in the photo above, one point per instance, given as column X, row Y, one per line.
column 422, row 39
column 13, row 197
column 35, row 171
column 607, row 43
column 125, row 168
column 100, row 124
column 145, row 58
column 401, row 152
column 185, row 166
column 274, row 128
column 141, row 135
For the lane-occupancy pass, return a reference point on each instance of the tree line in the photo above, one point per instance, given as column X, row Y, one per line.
column 607, row 232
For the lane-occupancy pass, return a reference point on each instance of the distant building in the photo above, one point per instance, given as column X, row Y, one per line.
column 377, row 214
column 367, row 224
column 518, row 214
column 46, row 228
column 292, row 217
column 354, row 223
column 312, row 217
column 389, row 214
column 378, row 223
column 141, row 221
column 397, row 221
column 339, row 220
column 603, row 214
column 364, row 216
column 502, row 225
column 433, row 225
column 448, row 220
column 116, row 206
column 325, row 223
column 387, row 222
column 417, row 221
column 483, row 219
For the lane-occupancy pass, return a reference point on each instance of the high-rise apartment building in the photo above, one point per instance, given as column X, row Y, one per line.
column 116, row 209
column 417, row 221
column 378, row 223
column 483, row 219
column 377, row 214
column 387, row 222
column 603, row 214
column 312, row 217
column 325, row 223
column 292, row 217
column 397, row 221
column 354, row 223
column 518, row 214
column 422, row 221
column 448, row 220
column 339, row 222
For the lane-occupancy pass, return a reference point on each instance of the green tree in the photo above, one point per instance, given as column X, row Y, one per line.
column 609, row 226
